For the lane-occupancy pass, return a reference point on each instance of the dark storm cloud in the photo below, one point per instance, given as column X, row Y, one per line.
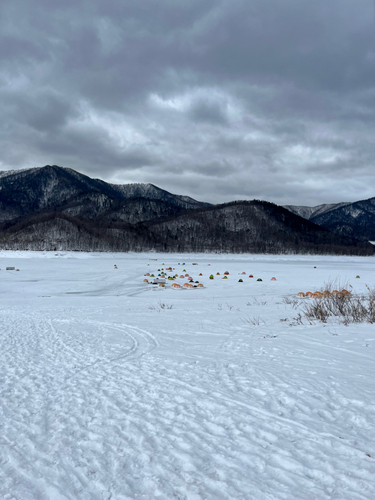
column 98, row 150
column 252, row 99
column 45, row 111
column 210, row 111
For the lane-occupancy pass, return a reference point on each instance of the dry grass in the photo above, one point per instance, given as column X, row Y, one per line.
column 343, row 306
column 252, row 321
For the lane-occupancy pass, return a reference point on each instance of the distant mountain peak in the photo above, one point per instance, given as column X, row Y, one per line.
column 355, row 219
column 61, row 189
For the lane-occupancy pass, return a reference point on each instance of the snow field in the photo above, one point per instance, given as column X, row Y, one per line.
column 114, row 389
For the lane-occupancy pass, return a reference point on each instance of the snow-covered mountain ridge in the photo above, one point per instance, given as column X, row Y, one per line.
column 56, row 188
column 310, row 212
column 355, row 219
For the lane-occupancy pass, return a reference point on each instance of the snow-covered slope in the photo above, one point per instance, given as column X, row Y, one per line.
column 7, row 173
column 149, row 191
column 311, row 212
column 113, row 389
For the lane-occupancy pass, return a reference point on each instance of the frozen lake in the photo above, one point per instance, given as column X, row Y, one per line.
column 114, row 389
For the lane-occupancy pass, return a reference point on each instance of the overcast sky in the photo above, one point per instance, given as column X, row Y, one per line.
column 218, row 100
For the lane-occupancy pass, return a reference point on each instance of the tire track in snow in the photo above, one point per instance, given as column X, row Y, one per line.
column 122, row 428
column 41, row 417
column 142, row 343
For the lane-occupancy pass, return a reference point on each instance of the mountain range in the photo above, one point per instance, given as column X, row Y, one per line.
column 356, row 220
column 56, row 208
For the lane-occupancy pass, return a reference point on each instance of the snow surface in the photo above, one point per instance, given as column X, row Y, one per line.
column 113, row 389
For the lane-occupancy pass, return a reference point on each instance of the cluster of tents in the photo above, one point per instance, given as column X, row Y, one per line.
column 226, row 274
column 176, row 286
column 163, row 277
column 166, row 274
column 326, row 293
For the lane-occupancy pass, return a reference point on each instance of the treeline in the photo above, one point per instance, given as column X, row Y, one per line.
column 238, row 227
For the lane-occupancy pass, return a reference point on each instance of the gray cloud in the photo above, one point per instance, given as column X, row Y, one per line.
column 217, row 100
column 209, row 111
